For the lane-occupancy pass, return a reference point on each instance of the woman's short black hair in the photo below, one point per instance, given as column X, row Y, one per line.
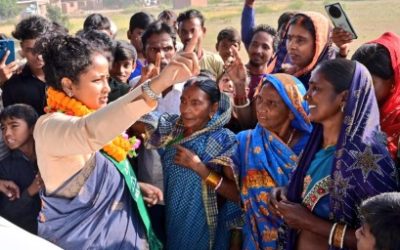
column 382, row 214
column 304, row 21
column 20, row 111
column 124, row 51
column 158, row 27
column 207, row 85
column 376, row 59
column 66, row 56
column 339, row 72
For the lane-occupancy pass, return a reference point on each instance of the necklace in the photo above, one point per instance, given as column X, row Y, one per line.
column 328, row 146
column 118, row 149
column 291, row 137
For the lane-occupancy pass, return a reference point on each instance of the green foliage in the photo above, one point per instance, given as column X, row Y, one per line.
column 8, row 9
column 55, row 14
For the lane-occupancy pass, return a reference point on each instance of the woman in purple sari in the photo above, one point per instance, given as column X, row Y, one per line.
column 344, row 162
column 92, row 199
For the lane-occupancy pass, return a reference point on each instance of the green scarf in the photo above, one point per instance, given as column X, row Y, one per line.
column 131, row 182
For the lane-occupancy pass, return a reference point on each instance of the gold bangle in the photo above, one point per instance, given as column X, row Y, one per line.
column 337, row 239
column 213, row 179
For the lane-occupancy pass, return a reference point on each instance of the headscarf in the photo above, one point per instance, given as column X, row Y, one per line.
column 362, row 166
column 214, row 145
column 323, row 46
column 263, row 161
column 390, row 110
column 292, row 91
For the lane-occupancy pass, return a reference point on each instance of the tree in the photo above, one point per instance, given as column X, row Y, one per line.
column 8, row 9
column 54, row 14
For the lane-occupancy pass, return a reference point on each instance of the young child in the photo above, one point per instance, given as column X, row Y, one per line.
column 17, row 123
column 227, row 39
column 124, row 62
column 380, row 227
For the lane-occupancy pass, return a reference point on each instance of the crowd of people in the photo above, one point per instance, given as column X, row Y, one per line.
column 157, row 143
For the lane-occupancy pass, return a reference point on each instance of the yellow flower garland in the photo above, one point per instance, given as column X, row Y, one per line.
column 118, row 149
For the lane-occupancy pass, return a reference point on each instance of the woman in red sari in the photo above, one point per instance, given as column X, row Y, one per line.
column 382, row 59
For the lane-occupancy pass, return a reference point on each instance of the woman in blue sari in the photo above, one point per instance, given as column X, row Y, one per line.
column 196, row 151
column 268, row 154
column 344, row 162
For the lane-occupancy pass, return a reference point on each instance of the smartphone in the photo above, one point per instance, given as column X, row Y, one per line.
column 7, row 44
column 339, row 18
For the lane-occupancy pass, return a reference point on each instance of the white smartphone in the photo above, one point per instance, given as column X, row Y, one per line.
column 339, row 18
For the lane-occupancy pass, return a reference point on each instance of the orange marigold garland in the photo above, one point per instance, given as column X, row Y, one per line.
column 118, row 148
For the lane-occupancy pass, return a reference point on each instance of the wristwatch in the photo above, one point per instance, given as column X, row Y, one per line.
column 149, row 92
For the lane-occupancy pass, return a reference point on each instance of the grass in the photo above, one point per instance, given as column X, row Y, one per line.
column 369, row 18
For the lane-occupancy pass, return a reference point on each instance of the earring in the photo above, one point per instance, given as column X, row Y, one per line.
column 342, row 108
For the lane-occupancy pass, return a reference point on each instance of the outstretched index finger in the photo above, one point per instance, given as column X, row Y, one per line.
column 191, row 45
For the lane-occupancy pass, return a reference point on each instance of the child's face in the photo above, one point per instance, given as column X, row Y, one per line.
column 224, row 48
column 226, row 85
column 121, row 70
column 16, row 132
column 365, row 239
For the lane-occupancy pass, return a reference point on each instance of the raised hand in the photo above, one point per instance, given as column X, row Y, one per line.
column 184, row 65
column 342, row 39
column 10, row 189
column 181, row 68
column 6, row 71
column 249, row 2
column 151, row 70
column 235, row 68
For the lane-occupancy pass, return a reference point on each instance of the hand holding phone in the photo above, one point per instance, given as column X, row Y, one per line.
column 8, row 65
column 340, row 19
column 7, row 45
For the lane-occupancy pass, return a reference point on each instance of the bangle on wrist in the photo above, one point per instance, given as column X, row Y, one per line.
column 337, row 238
column 343, row 234
column 213, row 179
column 219, row 184
column 331, row 234
column 243, row 105
column 146, row 88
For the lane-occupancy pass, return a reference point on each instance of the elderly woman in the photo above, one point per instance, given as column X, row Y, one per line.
column 344, row 162
column 92, row 198
column 196, row 151
column 268, row 154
